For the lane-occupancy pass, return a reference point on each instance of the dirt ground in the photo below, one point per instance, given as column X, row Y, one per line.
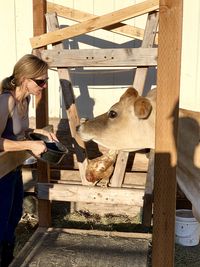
column 184, row 256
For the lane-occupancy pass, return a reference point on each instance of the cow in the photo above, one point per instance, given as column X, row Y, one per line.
column 129, row 125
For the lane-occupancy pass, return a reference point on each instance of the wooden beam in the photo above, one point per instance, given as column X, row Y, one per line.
column 148, row 41
column 168, row 85
column 101, row 57
column 94, row 23
column 11, row 160
column 42, row 116
column 92, row 194
column 39, row 27
column 80, row 16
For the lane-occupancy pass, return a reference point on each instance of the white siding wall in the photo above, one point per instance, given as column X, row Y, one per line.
column 190, row 71
column 96, row 90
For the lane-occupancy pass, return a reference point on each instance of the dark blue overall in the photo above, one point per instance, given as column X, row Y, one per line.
column 11, row 203
column 11, row 189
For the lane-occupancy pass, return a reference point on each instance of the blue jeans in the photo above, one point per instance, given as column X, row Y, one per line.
column 11, row 204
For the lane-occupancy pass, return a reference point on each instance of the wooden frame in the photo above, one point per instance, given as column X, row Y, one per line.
column 58, row 58
column 95, row 23
column 80, row 16
column 169, row 51
column 67, row 90
column 133, row 57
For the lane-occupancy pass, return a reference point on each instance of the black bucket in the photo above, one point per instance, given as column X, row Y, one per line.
column 55, row 150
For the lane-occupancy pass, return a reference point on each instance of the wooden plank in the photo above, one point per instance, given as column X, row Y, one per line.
column 119, row 172
column 44, row 206
column 39, row 27
column 79, row 16
column 135, row 180
column 11, row 160
column 29, row 248
column 101, row 57
column 168, row 85
column 148, row 196
column 148, row 41
column 69, row 100
column 92, row 194
column 94, row 23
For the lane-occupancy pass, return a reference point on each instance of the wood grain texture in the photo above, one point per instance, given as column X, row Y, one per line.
column 168, row 83
column 11, row 160
column 94, row 23
column 93, row 194
column 79, row 16
column 101, row 57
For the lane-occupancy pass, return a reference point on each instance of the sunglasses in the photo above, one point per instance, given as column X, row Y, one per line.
column 40, row 82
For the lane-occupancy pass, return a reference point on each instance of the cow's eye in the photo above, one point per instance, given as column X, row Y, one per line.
column 112, row 114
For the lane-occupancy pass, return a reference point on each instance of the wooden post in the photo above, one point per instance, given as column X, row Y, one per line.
column 42, row 118
column 168, row 83
column 39, row 27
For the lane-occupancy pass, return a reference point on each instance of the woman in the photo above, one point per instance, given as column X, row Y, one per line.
column 29, row 78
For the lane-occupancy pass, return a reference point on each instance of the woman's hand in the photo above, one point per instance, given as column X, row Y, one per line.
column 51, row 136
column 37, row 147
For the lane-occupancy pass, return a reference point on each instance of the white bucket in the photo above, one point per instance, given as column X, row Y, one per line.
column 187, row 228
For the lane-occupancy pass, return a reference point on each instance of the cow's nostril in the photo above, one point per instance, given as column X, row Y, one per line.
column 77, row 128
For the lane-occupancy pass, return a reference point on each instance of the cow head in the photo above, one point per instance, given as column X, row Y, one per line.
column 128, row 125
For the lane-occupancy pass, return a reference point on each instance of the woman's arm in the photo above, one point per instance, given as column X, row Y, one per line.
column 36, row 147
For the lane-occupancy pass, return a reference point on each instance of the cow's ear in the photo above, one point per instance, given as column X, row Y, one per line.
column 142, row 107
column 130, row 92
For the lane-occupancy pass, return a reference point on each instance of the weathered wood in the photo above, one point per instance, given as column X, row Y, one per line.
column 131, row 179
column 81, row 193
column 79, row 16
column 168, row 85
column 11, row 160
column 39, row 27
column 120, row 168
column 148, row 41
column 148, row 196
column 42, row 115
column 101, row 57
column 69, row 100
column 94, row 23
column 44, row 206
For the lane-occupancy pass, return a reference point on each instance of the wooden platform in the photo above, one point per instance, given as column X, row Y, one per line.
column 83, row 248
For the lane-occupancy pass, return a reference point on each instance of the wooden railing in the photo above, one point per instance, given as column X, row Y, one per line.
column 11, row 160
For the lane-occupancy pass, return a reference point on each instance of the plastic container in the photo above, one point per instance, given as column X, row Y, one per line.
column 187, row 228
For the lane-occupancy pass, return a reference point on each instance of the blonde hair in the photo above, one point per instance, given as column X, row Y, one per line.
column 29, row 66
